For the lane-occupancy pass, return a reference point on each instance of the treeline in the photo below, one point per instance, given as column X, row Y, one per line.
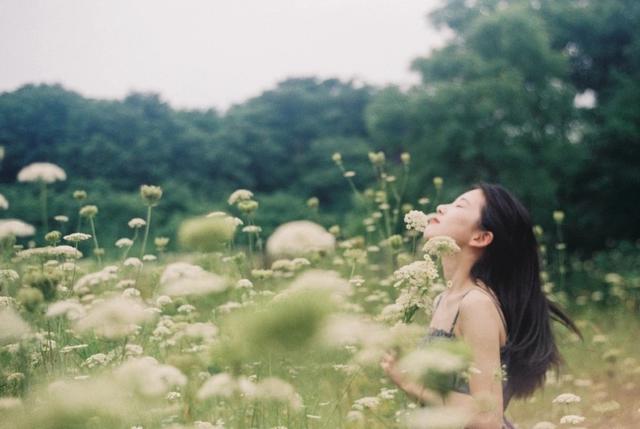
column 496, row 104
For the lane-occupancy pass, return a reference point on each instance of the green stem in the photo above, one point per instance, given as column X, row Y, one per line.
column 95, row 240
column 133, row 241
column 146, row 232
column 43, row 203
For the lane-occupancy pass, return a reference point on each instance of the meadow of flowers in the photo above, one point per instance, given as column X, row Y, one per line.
column 238, row 330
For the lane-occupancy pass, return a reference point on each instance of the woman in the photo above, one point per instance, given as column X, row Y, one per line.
column 495, row 303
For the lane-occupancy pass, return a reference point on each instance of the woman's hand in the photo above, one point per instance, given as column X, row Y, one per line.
column 388, row 364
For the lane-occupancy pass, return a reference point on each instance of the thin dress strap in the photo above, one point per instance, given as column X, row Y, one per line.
column 455, row 319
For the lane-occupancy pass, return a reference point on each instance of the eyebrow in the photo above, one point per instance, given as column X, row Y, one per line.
column 463, row 198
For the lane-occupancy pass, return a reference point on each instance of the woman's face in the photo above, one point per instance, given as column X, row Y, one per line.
column 460, row 219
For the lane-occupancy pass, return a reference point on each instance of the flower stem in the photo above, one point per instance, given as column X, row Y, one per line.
column 146, row 232
column 43, row 201
column 95, row 239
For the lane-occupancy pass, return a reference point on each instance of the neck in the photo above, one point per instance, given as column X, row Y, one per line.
column 457, row 269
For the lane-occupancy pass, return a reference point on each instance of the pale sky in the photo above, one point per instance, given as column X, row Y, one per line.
column 208, row 53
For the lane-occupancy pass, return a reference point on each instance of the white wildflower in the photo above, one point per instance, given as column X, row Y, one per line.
column 244, row 284
column 186, row 308
column 16, row 228
column 124, row 242
column 13, row 327
column 299, row 238
column 98, row 359
column 418, row 273
column 41, row 172
column 203, row 284
column 133, row 262
column 9, row 275
column 77, row 237
column 417, row 220
column 279, row 390
column 163, row 300
column 221, row 384
column 368, row 402
column 440, row 245
column 69, row 308
column 240, row 195
column 566, row 398
column 66, row 251
column 179, row 270
column 91, row 280
column 445, row 417
column 571, row 419
column 148, row 377
column 137, row 222
column 131, row 292
column 114, row 318
column 4, row 204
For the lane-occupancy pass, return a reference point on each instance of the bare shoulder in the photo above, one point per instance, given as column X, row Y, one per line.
column 476, row 299
column 479, row 309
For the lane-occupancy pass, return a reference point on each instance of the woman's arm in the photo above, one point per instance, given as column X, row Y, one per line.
column 480, row 325
column 420, row 393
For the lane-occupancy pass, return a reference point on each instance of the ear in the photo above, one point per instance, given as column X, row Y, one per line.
column 481, row 238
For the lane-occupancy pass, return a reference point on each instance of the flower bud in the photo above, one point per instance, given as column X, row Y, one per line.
column 53, row 236
column 437, row 182
column 313, row 203
column 248, row 206
column 558, row 216
column 405, row 157
column 80, row 195
column 151, row 194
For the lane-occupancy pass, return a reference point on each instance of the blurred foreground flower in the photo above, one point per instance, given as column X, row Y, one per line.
column 439, row 366
column 16, row 228
column 114, row 318
column 298, row 238
column 206, row 234
column 446, row 417
column 13, row 327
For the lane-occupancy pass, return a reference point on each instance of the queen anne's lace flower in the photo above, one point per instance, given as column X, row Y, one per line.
column 114, row 318
column 137, row 222
column 441, row 245
column 298, row 238
column 418, row 273
column 566, row 398
column 41, row 171
column 240, row 195
column 124, row 242
column 417, row 220
column 77, row 237
column 15, row 227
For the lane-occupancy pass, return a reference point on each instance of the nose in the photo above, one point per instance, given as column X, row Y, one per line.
column 440, row 209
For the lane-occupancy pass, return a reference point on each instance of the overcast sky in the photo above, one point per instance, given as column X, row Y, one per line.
column 208, row 53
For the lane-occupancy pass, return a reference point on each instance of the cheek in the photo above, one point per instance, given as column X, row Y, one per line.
column 457, row 227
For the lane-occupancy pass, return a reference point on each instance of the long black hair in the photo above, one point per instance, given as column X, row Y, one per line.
column 510, row 266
